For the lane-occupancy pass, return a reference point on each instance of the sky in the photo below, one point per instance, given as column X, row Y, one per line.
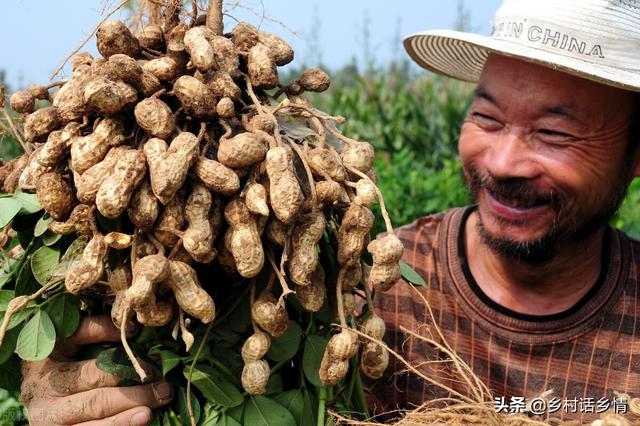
column 38, row 34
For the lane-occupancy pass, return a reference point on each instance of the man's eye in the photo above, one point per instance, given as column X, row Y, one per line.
column 554, row 133
column 485, row 119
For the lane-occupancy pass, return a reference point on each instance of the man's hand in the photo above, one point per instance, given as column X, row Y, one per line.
column 61, row 391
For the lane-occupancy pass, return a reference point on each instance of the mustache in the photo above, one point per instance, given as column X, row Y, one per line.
column 521, row 189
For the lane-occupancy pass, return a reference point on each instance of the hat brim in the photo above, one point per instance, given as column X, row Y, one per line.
column 462, row 56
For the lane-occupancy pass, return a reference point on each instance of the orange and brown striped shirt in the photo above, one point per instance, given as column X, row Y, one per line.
column 587, row 352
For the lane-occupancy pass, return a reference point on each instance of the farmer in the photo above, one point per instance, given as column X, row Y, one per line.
column 529, row 286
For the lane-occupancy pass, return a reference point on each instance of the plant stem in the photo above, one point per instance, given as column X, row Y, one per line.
column 360, row 398
column 322, row 398
column 214, row 17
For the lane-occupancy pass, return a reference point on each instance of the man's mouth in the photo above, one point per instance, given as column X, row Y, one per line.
column 517, row 202
column 516, row 210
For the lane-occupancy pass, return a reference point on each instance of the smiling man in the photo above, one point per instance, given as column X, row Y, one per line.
column 530, row 285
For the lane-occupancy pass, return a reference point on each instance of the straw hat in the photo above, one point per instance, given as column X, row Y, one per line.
column 595, row 39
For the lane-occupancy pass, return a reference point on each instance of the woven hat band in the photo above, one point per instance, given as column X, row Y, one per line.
column 554, row 38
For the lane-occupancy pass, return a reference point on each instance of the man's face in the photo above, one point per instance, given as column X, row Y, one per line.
column 545, row 156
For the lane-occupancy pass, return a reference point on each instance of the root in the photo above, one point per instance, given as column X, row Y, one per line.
column 123, row 338
column 283, row 282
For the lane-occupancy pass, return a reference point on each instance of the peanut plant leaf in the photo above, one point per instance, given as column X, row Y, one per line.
column 64, row 310
column 312, row 357
column 285, row 346
column 293, row 401
column 37, row 339
column 41, row 225
column 168, row 360
column 409, row 274
column 50, row 238
column 72, row 256
column 214, row 386
column 28, row 202
column 264, row 411
column 9, row 208
column 182, row 409
column 115, row 361
column 43, row 262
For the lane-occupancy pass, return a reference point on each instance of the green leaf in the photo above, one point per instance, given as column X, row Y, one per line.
column 37, row 338
column 312, row 357
column 115, row 361
column 214, row 386
column 409, row 274
column 226, row 420
column 274, row 384
column 43, row 262
column 9, row 208
column 285, row 346
column 72, row 256
column 17, row 318
column 64, row 310
column 26, row 284
column 310, row 411
column 10, row 374
column 182, row 406
column 237, row 413
column 50, row 238
column 9, row 344
column 41, row 225
column 293, row 401
column 29, row 202
column 168, row 360
column 264, row 411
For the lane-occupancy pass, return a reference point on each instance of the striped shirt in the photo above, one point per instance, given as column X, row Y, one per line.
column 587, row 352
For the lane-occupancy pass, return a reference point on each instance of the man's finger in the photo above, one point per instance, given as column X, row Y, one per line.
column 138, row 416
column 79, row 376
column 93, row 329
column 108, row 402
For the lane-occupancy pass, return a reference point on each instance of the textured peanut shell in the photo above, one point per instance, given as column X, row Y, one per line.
column 115, row 192
column 354, row 228
column 125, row 68
column 261, row 67
column 282, row 53
column 386, row 253
column 155, row 117
column 366, row 193
column 11, row 181
column 58, row 144
column 81, row 59
column 244, row 36
column 156, row 314
column 350, row 276
column 114, row 37
column 87, row 272
column 198, row 237
column 256, row 199
column 342, row 346
column 23, row 102
column 30, row 175
column 81, row 221
column 143, row 209
column 328, row 191
column 118, row 240
column 119, row 279
column 284, row 190
column 172, row 217
column 374, row 327
column 147, row 273
column 151, row 37
column 87, row 151
column 225, row 108
column 40, row 123
column 277, row 232
column 89, row 182
column 348, row 303
column 359, row 155
column 6, row 169
column 54, row 195
column 255, row 347
column 222, row 86
column 374, row 360
column 242, row 150
column 331, row 372
column 242, row 238
column 164, row 68
column 261, row 123
column 216, row 177
column 108, row 97
column 255, row 376
column 271, row 318
column 38, row 91
column 326, row 162
column 314, row 80
column 191, row 297
column 195, row 97
column 69, row 99
column 303, row 260
column 199, row 48
column 311, row 296
column 226, row 57
column 168, row 167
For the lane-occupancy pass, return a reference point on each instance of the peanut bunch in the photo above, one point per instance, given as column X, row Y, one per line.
column 187, row 140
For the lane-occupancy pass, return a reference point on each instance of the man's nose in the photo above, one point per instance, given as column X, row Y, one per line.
column 511, row 156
